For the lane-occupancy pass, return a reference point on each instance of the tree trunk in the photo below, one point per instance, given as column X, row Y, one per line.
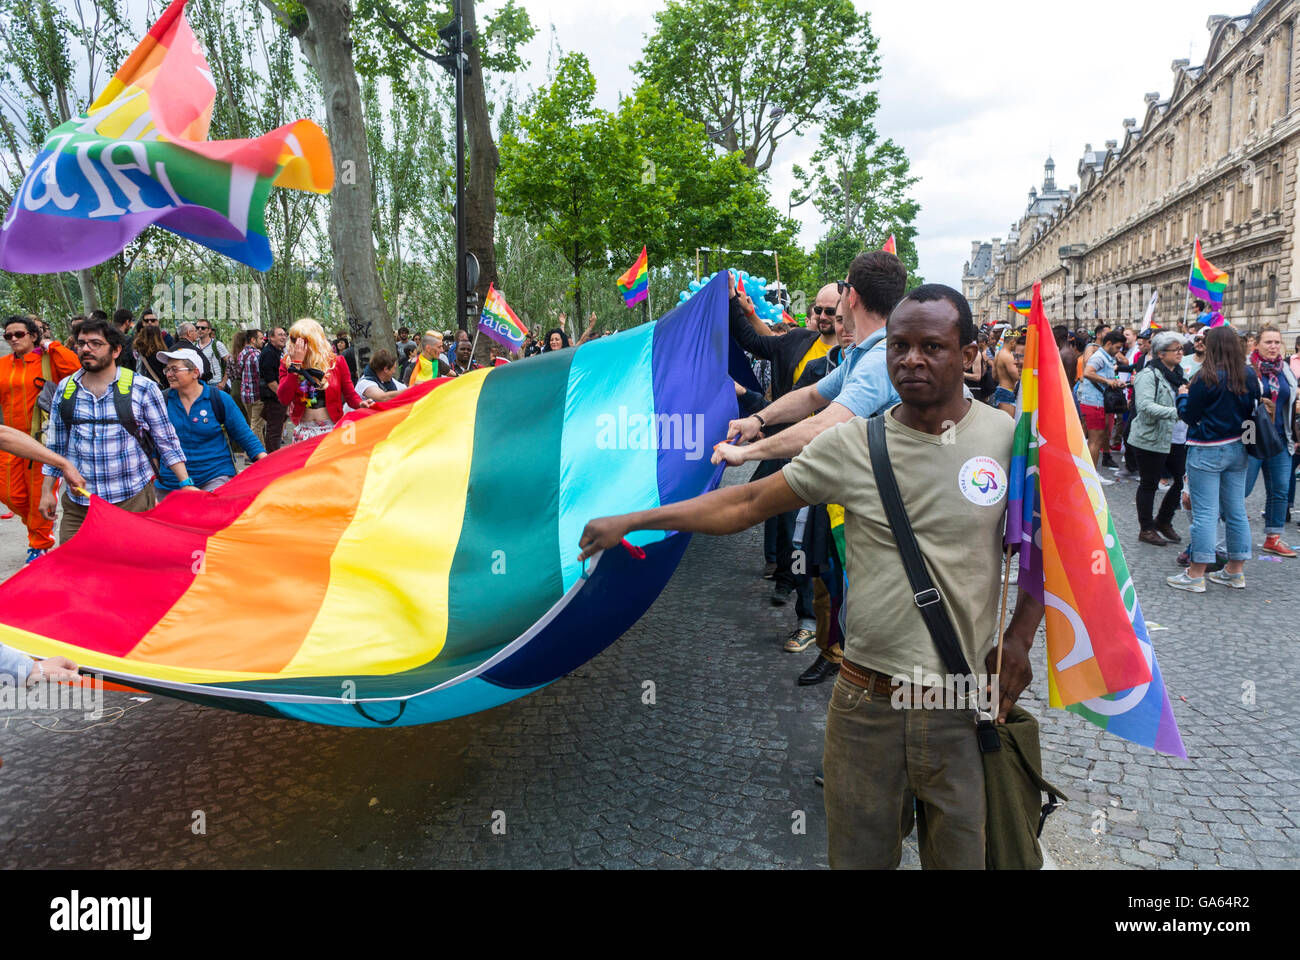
column 89, row 295
column 327, row 44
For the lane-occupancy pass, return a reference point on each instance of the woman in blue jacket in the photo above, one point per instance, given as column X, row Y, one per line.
column 1216, row 406
column 203, row 417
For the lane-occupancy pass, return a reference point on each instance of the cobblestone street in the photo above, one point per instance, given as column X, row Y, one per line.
column 717, row 772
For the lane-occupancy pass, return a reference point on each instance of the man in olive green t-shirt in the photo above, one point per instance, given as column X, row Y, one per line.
column 950, row 456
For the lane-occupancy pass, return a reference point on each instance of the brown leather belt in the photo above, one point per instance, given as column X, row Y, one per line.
column 872, row 680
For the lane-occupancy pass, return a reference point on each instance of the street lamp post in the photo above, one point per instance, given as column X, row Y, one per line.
column 455, row 40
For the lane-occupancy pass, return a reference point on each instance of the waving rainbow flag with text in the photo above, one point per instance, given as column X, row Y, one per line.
column 1101, row 664
column 141, row 156
column 499, row 322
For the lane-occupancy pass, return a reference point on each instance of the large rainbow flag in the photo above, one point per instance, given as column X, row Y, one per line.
column 141, row 155
column 374, row 607
column 499, row 322
column 1207, row 281
column 635, row 284
column 1100, row 661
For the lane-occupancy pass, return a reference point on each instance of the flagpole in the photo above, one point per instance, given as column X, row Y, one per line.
column 1187, row 298
column 697, row 264
column 1002, row 609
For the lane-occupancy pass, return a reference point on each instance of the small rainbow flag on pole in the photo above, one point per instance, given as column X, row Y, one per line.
column 1021, row 306
column 1207, row 281
column 635, row 284
column 499, row 322
column 1101, row 664
column 890, row 246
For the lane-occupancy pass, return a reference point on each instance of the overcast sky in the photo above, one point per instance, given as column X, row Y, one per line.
column 977, row 94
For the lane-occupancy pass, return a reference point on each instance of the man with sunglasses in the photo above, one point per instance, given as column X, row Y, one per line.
column 150, row 319
column 215, row 355
column 108, row 450
column 790, row 355
column 22, row 376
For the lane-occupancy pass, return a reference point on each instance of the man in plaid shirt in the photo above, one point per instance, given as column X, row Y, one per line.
column 250, row 381
column 113, row 462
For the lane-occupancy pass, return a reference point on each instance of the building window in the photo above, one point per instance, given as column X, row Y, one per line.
column 1272, row 291
column 1241, row 286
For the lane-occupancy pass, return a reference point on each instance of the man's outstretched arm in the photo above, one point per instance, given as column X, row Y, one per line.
column 729, row 510
column 789, row 442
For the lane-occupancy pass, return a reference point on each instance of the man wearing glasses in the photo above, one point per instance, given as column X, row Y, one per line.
column 150, row 319
column 789, row 354
column 216, row 356
column 22, row 375
column 112, row 458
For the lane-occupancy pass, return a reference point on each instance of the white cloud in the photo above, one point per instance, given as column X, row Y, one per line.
column 977, row 95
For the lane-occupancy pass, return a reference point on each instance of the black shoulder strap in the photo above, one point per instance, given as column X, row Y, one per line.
column 925, row 595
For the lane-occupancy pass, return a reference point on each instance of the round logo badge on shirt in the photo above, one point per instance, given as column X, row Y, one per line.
column 982, row 481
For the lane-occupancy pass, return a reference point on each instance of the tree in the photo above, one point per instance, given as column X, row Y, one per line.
column 757, row 71
column 495, row 48
column 323, row 29
column 860, row 185
column 39, row 94
column 560, row 175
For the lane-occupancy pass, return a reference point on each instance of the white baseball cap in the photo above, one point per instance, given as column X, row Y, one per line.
column 190, row 356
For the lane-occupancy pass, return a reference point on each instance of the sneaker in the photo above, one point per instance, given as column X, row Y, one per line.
column 1184, row 559
column 1123, row 473
column 1105, row 483
column 1182, row 581
column 781, row 595
column 1108, row 461
column 769, row 571
column 800, row 640
column 34, row 553
column 1235, row 580
column 1273, row 544
column 1166, row 484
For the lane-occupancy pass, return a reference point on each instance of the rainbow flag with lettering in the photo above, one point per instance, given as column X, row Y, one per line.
column 376, row 604
column 499, row 322
column 141, row 156
column 1207, row 282
column 1021, row 306
column 635, row 284
column 1101, row 664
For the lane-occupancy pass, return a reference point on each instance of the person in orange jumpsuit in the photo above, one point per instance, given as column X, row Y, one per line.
column 22, row 374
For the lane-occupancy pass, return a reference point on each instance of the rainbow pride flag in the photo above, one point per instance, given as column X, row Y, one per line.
column 635, row 284
column 376, row 607
column 1021, row 306
column 1101, row 664
column 1207, row 281
column 499, row 322
column 141, row 156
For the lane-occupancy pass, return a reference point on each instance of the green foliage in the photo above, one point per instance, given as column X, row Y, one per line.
column 735, row 63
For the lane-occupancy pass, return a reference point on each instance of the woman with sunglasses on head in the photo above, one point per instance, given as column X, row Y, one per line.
column 314, row 381
column 1152, row 435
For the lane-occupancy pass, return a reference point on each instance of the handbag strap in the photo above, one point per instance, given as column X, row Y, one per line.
column 925, row 594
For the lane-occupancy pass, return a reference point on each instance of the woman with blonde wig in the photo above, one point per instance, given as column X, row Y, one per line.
column 314, row 381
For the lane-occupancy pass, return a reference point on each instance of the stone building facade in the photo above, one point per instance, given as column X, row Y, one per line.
column 1217, row 159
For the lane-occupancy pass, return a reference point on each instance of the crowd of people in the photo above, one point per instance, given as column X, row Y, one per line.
column 131, row 413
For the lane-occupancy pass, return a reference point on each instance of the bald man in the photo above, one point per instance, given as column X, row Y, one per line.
column 790, row 356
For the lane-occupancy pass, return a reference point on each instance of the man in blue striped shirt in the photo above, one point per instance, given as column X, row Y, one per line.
column 116, row 467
